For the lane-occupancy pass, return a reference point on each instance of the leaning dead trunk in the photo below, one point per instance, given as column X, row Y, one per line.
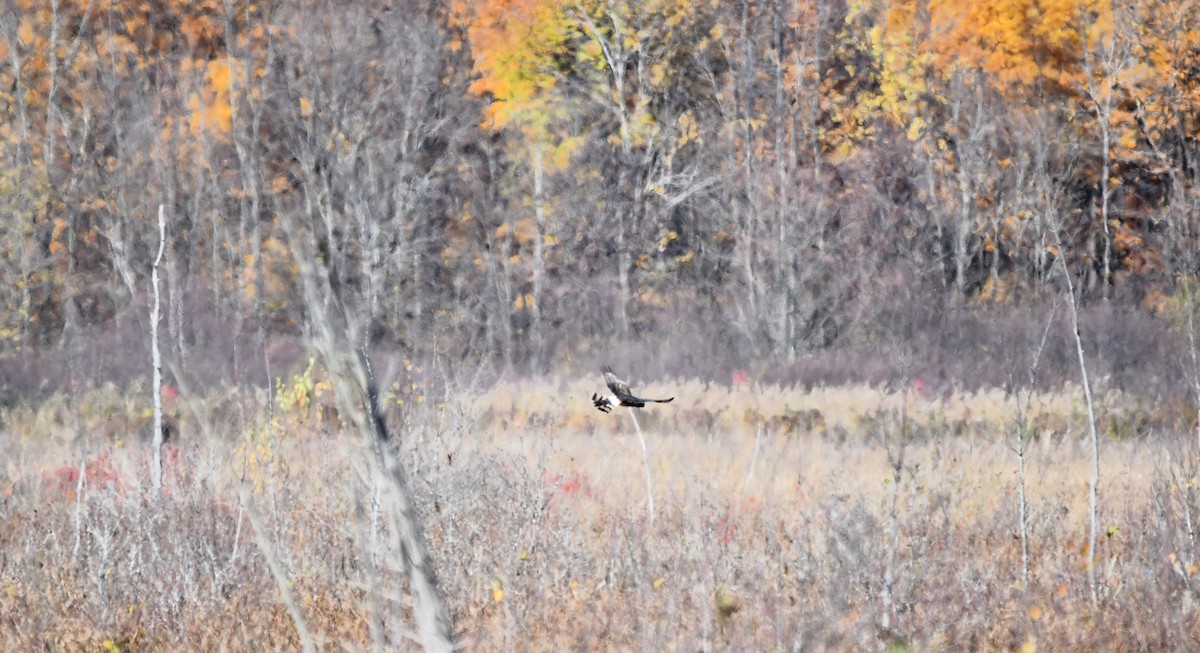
column 335, row 331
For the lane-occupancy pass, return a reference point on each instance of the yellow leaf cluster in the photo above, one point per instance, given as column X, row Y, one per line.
column 513, row 42
column 210, row 105
column 1019, row 46
column 523, row 302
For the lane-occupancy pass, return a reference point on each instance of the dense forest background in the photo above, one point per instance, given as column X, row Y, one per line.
column 822, row 190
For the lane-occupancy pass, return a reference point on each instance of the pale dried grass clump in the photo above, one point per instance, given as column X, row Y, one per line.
column 888, row 521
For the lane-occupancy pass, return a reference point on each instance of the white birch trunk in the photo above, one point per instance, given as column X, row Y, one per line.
column 155, row 356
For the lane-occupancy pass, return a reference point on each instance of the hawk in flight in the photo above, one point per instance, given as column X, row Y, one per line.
column 621, row 394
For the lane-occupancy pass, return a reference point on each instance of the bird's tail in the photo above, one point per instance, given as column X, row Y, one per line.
column 662, row 401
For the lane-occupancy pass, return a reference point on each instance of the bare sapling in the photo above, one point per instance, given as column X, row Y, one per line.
column 896, row 461
column 1093, row 434
column 1019, row 445
column 156, row 356
column 1194, row 374
column 645, row 464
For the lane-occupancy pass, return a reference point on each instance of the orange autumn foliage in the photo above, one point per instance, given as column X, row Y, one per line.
column 514, row 43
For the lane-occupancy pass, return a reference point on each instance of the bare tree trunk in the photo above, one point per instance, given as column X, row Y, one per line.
column 623, row 263
column 1094, row 437
column 785, row 216
column 539, row 258
column 1022, row 512
column 962, row 235
column 155, row 356
column 9, row 24
column 1103, row 69
column 1106, row 277
column 1020, row 447
column 245, row 124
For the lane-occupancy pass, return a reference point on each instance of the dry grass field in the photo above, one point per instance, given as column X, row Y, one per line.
column 849, row 518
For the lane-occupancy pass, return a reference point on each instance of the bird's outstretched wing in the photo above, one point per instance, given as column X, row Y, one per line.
column 618, row 387
column 621, row 390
